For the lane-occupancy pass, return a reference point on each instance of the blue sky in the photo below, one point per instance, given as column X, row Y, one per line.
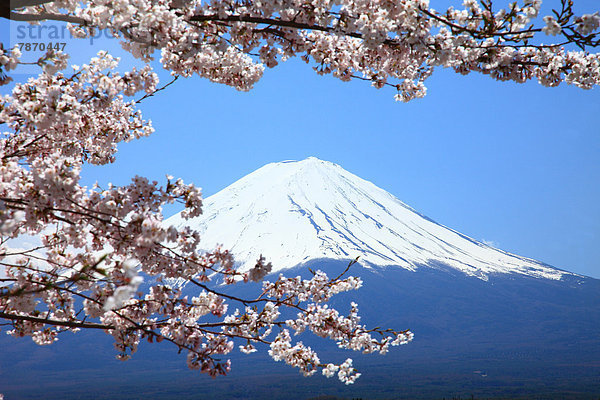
column 516, row 165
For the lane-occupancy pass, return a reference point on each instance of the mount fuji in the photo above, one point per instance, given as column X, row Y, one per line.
column 296, row 211
column 487, row 323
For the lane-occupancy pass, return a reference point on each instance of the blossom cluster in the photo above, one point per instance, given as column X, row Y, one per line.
column 9, row 59
column 396, row 43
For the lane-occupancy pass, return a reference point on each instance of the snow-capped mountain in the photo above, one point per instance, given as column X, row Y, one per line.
column 296, row 211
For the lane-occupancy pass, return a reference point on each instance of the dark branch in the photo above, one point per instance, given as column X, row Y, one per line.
column 270, row 21
column 45, row 16
column 14, row 4
column 70, row 324
column 157, row 90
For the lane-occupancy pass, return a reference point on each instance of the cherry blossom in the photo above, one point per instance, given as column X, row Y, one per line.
column 395, row 44
column 552, row 27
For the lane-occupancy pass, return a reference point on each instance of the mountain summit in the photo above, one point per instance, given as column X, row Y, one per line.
column 296, row 211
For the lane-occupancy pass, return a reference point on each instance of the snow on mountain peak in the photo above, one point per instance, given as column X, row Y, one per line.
column 296, row 211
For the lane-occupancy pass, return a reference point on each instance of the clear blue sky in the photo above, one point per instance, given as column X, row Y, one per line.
column 515, row 165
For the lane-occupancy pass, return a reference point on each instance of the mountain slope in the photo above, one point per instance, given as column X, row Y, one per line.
column 296, row 211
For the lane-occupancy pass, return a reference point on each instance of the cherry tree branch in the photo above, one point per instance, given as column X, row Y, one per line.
column 68, row 324
column 23, row 17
